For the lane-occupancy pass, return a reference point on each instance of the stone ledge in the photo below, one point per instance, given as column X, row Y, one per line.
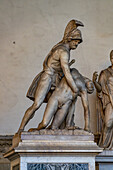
column 55, row 141
column 58, row 135
column 5, row 144
column 59, row 132
column 105, row 156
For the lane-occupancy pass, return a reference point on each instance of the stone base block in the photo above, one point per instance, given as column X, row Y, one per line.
column 54, row 149
column 104, row 160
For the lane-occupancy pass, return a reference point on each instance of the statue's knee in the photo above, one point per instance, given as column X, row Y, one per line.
column 44, row 123
column 35, row 106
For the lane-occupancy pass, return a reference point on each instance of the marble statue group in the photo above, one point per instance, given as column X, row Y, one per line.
column 59, row 86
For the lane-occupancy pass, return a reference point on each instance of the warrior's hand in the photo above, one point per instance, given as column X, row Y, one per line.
column 95, row 75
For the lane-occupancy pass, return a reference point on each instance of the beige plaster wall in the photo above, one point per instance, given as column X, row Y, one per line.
column 28, row 30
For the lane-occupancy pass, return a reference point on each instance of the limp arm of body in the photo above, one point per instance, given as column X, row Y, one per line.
column 64, row 59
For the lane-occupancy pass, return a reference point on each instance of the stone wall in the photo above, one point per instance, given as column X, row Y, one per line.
column 28, row 30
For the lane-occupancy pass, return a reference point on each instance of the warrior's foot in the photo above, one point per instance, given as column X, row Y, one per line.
column 87, row 129
column 16, row 139
column 40, row 126
column 33, row 129
column 72, row 127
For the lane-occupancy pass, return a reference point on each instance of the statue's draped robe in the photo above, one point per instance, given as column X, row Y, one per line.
column 103, row 99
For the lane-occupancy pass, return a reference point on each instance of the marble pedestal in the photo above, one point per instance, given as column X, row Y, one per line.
column 58, row 149
column 104, row 160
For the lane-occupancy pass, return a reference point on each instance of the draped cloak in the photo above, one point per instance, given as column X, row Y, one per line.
column 103, row 99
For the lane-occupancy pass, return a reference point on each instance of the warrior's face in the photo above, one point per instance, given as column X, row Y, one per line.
column 73, row 44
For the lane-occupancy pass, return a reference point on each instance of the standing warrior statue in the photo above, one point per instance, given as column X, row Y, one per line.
column 104, row 88
column 55, row 65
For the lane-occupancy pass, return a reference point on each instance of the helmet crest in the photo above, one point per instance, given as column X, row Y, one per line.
column 71, row 31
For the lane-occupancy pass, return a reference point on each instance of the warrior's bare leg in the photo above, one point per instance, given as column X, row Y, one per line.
column 84, row 98
column 60, row 115
column 70, row 114
column 50, row 110
column 41, row 92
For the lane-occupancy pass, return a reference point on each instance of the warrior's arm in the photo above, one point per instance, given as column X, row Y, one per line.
column 66, row 70
column 97, row 85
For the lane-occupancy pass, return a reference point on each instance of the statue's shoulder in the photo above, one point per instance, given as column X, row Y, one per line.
column 105, row 71
column 60, row 48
